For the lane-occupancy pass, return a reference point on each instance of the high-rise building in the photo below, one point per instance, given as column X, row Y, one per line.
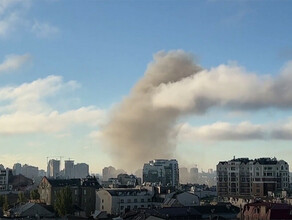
column 69, row 169
column 30, row 171
column 184, row 175
column 53, row 169
column 108, row 172
column 81, row 170
column 194, row 175
column 16, row 169
column 160, row 171
column 245, row 177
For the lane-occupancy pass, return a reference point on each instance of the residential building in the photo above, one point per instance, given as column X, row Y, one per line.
column 128, row 180
column 16, row 169
column 160, row 171
column 53, row 169
column 81, row 170
column 117, row 201
column 30, row 172
column 184, row 175
column 245, row 177
column 83, row 191
column 194, row 175
column 5, row 174
column 108, row 172
column 69, row 169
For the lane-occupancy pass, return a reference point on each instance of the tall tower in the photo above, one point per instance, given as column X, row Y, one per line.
column 69, row 169
column 53, row 169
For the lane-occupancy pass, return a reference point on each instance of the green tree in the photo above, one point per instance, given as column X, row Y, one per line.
column 34, row 194
column 64, row 204
column 5, row 204
column 21, row 197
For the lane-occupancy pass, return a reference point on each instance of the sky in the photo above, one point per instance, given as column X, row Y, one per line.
column 66, row 69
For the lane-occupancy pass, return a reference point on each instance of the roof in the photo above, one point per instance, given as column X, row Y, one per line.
column 179, row 211
column 62, row 182
column 123, row 191
column 31, row 209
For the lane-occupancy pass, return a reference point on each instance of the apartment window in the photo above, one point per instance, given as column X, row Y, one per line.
column 102, row 201
column 135, row 207
column 84, row 192
column 142, row 200
column 76, row 192
column 122, row 207
column 102, row 207
column 232, row 168
column 135, row 200
column 257, row 173
column 122, row 201
column 142, row 206
column 129, row 200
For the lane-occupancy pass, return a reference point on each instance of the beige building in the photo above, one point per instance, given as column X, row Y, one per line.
column 245, row 177
column 117, row 201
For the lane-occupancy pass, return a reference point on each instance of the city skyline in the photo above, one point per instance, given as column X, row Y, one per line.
column 122, row 83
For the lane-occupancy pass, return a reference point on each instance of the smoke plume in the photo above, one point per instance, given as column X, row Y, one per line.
column 137, row 131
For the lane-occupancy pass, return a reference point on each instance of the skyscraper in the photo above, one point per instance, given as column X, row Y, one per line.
column 69, row 169
column 160, row 171
column 16, row 169
column 81, row 170
column 53, row 169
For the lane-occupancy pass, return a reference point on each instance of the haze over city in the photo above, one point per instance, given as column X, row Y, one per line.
column 122, row 82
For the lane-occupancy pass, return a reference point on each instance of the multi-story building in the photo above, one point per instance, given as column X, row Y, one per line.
column 30, row 171
column 69, row 169
column 164, row 172
column 194, row 175
column 108, row 172
column 53, row 170
column 245, row 177
column 82, row 191
column 117, row 201
column 5, row 174
column 81, row 170
column 16, row 169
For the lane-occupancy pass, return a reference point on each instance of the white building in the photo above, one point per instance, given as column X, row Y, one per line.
column 53, row 169
column 160, row 171
column 116, row 201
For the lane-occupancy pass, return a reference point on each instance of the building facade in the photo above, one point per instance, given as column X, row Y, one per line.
column 117, row 201
column 163, row 172
column 245, row 177
column 5, row 174
column 53, row 169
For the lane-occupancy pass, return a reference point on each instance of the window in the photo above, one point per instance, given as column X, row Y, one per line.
column 142, row 206
column 102, row 201
column 135, row 207
column 135, row 200
column 122, row 201
column 142, row 200
column 129, row 200
column 102, row 207
column 84, row 192
column 122, row 207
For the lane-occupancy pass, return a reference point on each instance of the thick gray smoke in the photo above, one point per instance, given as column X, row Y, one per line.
column 137, row 131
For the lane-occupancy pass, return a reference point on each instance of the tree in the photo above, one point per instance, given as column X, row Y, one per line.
column 21, row 197
column 64, row 204
column 5, row 204
column 34, row 194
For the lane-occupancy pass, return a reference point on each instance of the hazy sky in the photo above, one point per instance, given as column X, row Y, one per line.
column 65, row 65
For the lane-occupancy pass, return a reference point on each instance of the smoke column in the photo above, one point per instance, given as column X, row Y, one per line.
column 137, row 131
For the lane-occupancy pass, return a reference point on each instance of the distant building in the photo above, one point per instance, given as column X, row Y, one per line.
column 81, row 170
column 194, row 175
column 128, row 180
column 108, row 172
column 30, row 172
column 53, row 170
column 42, row 173
column 69, row 169
column 117, row 201
column 16, row 169
column 164, row 172
column 245, row 177
column 184, row 175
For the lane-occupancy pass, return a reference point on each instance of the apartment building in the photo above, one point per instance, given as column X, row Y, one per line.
column 245, row 177
column 160, row 171
column 117, row 201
